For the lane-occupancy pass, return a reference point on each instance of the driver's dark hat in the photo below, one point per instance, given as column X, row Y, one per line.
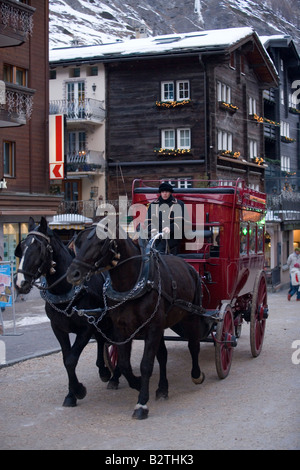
column 165, row 187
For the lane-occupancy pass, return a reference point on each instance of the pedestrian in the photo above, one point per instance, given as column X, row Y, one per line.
column 293, row 263
column 166, row 215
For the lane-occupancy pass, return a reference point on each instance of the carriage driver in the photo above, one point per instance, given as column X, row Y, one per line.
column 166, row 215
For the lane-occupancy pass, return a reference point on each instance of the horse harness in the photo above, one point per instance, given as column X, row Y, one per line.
column 142, row 286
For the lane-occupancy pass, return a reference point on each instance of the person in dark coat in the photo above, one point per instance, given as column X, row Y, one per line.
column 166, row 215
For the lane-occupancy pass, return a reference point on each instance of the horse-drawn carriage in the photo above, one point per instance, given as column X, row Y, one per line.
column 229, row 258
column 203, row 294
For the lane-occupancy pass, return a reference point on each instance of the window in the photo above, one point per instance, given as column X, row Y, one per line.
column 285, row 129
column 242, row 64
column 92, row 71
column 285, row 163
column 76, row 100
column 167, row 91
column 75, row 73
column 252, row 148
column 282, row 96
column 76, row 146
column 16, row 75
column 223, row 92
column 224, row 140
column 9, row 158
column 52, row 75
column 168, row 138
column 180, row 139
column 182, row 90
column 232, row 60
column 183, row 138
column 252, row 105
column 181, row 183
column 292, row 100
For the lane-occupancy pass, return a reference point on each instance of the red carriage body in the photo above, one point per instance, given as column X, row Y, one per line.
column 230, row 261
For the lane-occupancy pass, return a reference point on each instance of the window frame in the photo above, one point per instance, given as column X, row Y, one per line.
column 185, row 91
column 224, row 140
column 9, row 161
column 10, row 74
column 165, row 93
column 223, row 92
column 179, row 133
column 253, row 148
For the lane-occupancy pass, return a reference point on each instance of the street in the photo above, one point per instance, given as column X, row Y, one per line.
column 256, row 407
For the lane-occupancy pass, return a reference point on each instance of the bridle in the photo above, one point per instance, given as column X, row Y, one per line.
column 46, row 256
column 108, row 247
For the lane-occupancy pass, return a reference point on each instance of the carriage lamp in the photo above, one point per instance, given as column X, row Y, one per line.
column 94, row 86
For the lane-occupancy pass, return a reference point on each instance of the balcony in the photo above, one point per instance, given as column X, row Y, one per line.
column 284, row 207
column 84, row 163
column 270, row 132
column 87, row 111
column 16, row 103
column 16, row 22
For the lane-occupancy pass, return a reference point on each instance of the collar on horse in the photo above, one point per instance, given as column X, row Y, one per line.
column 142, row 285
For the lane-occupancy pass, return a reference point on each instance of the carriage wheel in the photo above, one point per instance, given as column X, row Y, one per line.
column 224, row 342
column 110, row 354
column 258, row 314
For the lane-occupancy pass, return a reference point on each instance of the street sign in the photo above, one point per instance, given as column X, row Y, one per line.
column 56, row 171
column 56, row 146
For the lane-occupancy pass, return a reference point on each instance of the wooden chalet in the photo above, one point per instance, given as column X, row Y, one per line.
column 185, row 107
column 182, row 106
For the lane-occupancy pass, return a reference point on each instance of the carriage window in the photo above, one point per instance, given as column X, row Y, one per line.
column 243, row 238
column 260, row 239
column 252, row 238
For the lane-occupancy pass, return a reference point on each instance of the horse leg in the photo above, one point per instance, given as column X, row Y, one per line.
column 70, row 357
column 124, row 366
column 104, row 372
column 150, row 350
column 162, row 356
column 192, row 330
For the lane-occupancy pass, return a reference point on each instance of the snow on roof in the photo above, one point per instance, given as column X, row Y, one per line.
column 213, row 39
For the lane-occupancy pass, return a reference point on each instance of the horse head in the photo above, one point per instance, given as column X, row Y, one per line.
column 97, row 249
column 36, row 255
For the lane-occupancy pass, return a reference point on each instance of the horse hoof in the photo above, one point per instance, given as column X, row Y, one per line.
column 80, row 392
column 112, row 385
column 70, row 401
column 105, row 374
column 200, row 379
column 140, row 412
column 161, row 394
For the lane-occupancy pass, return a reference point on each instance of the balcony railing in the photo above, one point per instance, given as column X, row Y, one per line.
column 284, row 206
column 16, row 107
column 16, row 22
column 87, row 110
column 85, row 161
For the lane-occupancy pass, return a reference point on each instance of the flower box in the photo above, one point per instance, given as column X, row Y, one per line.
column 287, row 140
column 172, row 152
column 172, row 104
column 228, row 107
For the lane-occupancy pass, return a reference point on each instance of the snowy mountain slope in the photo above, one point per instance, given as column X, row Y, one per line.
column 102, row 21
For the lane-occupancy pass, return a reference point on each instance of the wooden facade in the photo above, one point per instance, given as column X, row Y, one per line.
column 24, row 111
column 135, row 121
column 29, row 176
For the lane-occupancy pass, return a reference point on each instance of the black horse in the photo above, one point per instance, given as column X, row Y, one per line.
column 145, row 293
column 42, row 253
